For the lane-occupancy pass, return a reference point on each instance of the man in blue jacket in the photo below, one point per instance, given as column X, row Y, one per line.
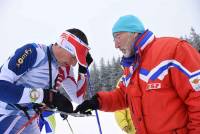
column 27, row 79
column 67, row 85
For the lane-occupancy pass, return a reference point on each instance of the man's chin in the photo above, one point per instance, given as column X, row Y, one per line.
column 127, row 55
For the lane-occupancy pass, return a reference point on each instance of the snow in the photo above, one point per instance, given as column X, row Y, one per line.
column 88, row 125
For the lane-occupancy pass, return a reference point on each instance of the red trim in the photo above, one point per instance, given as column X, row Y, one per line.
column 27, row 124
column 138, row 41
column 67, row 68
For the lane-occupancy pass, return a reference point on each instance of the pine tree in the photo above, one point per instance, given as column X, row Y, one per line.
column 117, row 71
column 113, row 73
column 94, row 81
column 103, row 74
column 193, row 39
column 106, row 77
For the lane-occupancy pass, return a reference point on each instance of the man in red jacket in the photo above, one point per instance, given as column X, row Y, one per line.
column 160, row 85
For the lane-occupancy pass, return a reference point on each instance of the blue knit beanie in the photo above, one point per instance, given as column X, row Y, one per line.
column 128, row 23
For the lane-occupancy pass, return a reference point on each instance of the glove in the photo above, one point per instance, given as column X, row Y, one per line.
column 89, row 60
column 57, row 100
column 88, row 105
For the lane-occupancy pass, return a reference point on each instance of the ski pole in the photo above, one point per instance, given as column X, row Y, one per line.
column 71, row 114
column 27, row 123
column 98, row 121
column 34, row 117
column 70, row 126
column 96, row 112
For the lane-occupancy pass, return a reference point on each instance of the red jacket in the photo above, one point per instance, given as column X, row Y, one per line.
column 164, row 92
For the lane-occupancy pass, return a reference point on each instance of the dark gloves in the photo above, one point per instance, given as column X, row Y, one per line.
column 82, row 69
column 57, row 100
column 88, row 105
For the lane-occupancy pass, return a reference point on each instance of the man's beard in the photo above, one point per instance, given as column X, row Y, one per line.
column 128, row 53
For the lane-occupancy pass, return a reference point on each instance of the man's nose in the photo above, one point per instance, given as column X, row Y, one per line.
column 117, row 44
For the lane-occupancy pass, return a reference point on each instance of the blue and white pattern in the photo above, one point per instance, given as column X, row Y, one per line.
column 126, row 78
column 145, row 38
column 25, row 70
column 149, row 36
column 161, row 70
column 48, row 121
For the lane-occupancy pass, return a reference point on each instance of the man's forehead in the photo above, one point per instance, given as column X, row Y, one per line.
column 118, row 33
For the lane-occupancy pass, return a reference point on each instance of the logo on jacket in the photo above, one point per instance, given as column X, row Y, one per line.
column 153, row 86
column 24, row 55
column 34, row 95
column 195, row 83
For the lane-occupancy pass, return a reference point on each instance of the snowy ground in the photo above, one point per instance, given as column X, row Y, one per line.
column 88, row 125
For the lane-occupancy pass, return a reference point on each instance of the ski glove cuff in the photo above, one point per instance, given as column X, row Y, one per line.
column 57, row 100
column 88, row 105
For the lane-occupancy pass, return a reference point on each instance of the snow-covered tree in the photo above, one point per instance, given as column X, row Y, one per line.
column 194, row 39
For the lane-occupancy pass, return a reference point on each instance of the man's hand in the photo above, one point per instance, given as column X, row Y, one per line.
column 89, row 60
column 57, row 100
column 88, row 105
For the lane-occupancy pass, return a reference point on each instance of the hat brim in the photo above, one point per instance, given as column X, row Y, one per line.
column 81, row 49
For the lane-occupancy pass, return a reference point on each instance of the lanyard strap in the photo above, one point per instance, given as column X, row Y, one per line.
column 50, row 68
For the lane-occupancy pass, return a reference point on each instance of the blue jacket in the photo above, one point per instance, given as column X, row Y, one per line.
column 25, row 70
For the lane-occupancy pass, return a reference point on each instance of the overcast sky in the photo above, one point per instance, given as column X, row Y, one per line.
column 42, row 21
